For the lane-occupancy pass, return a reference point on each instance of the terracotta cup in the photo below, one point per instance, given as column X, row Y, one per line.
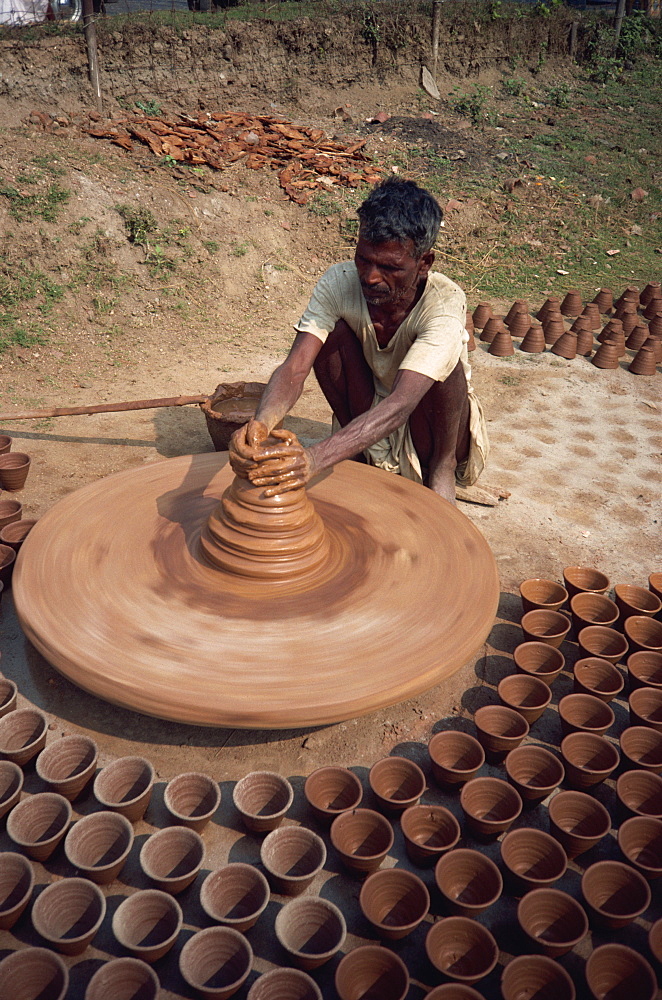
column 429, row 831
column 605, row 643
column 552, row 920
column 468, row 881
column 362, row 838
column 540, row 660
column 192, row 799
column 550, row 627
column 8, row 696
column 499, row 730
column 262, row 799
column 216, row 962
column 22, row 735
column 643, row 363
column 614, row 970
column 532, row 859
column 646, row 708
column 396, row 783
column 642, row 747
column 67, row 765
column 455, row 756
column 292, row 856
column 490, row 805
column 11, row 783
column 584, row 342
column 147, row 924
column 98, row 845
column 311, row 930
column 607, row 355
column 14, row 468
column 636, row 601
column 501, row 345
column 38, row 823
column 579, row 579
column 68, row 914
column 597, row 677
column 332, row 790
column 525, row 694
column 572, row 304
column 583, row 713
column 16, row 885
column 640, row 840
column 533, row 341
column 493, row 326
column 534, row 772
column 284, row 984
column 566, row 346
column 643, row 634
column 123, row 979
column 462, row 949
column 454, row 991
column 11, row 512
column 640, row 793
column 588, row 759
column 15, row 534
column 125, row 786
column 552, row 303
column 235, row 895
column 615, row 894
column 481, row 314
column 592, row 609
column 536, row 976
column 5, row 444
column 33, row 974
column 394, row 901
column 604, row 300
column 518, row 306
column 645, row 669
column 171, row 858
column 655, row 940
column 577, row 821
column 655, row 584
column 371, row 971
column 7, row 560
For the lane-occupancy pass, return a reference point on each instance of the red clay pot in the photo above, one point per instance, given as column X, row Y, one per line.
column 98, row 845
column 68, row 764
column 584, row 579
column 462, row 949
column 583, row 713
column 14, row 534
column 468, row 881
column 536, row 976
column 553, row 303
column 493, row 326
column 655, row 326
column 501, row 345
column 630, row 320
column 216, row 962
column 262, row 799
column 11, row 784
column 636, row 601
column 652, row 308
column 362, row 838
column 552, row 920
column 653, row 290
column 396, row 783
column 395, row 902
column 572, row 304
column 68, row 914
column 643, row 633
column 520, row 324
column 655, row 584
column 235, row 895
column 606, row 356
column 33, row 974
column 481, row 314
column 534, row 771
column 534, row 340
column 611, row 331
column 592, row 609
column 588, row 759
column 171, row 858
column 597, row 677
column 616, row 971
column 646, row 708
column 642, row 747
column 566, row 346
column 643, row 363
column 16, row 885
column 577, row 821
column 14, row 468
column 584, row 343
column 311, row 930
column 7, row 560
column 147, row 924
column 471, row 343
column 11, row 512
column 192, row 799
column 631, row 294
column 123, row 979
column 533, row 860
column 592, row 314
column 605, row 643
column 8, row 697
column 544, row 595
column 429, row 831
column 38, row 823
column 553, row 326
column 292, row 857
column 499, row 730
column 637, row 337
column 284, row 984
column 371, row 971
column 518, row 306
column 550, row 627
column 455, row 756
column 5, row 444
column 644, row 669
column 540, row 660
column 125, row 786
column 525, row 694
column 490, row 805
column 614, row 893
column 22, row 734
column 655, row 342
column 330, row 791
column 454, row 991
column 640, row 793
column 640, row 840
column 604, row 300
column 582, row 324
column 655, row 940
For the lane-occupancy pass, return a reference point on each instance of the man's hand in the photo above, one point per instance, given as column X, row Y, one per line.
column 275, row 460
column 244, row 446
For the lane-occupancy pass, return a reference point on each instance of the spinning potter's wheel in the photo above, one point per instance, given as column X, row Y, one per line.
column 304, row 609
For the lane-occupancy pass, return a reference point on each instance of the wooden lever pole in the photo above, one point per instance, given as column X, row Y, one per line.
column 73, row 411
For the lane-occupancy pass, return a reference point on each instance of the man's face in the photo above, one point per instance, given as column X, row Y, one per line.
column 389, row 272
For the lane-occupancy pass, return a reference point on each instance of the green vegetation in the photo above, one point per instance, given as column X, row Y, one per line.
column 21, row 287
column 25, row 206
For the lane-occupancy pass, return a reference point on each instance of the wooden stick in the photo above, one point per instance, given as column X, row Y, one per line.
column 73, row 411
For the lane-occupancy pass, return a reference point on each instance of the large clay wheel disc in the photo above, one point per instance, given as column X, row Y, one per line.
column 111, row 588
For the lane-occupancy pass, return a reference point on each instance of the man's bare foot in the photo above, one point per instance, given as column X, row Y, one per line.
column 442, row 482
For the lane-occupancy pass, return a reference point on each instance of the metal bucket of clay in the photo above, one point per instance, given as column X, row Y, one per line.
column 231, row 406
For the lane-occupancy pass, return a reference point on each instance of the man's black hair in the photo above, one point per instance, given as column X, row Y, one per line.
column 400, row 210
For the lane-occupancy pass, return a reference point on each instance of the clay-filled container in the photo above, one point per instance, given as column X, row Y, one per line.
column 481, row 314
column 192, row 799
column 125, row 786
column 577, row 821
column 588, row 759
column 643, row 363
column 292, row 857
column 11, row 512
column 592, row 609
column 493, row 326
column 11, row 783
column 645, row 670
column 396, row 783
column 8, row 697
column 98, row 845
column 642, row 747
column 371, row 971
column 642, row 633
column 584, row 343
column 603, row 642
column 534, row 340
column 655, row 940
column 544, row 595
column 454, row 991
column 429, row 831
column 7, row 560
column 615, row 894
column 533, row 860
column 468, row 881
column 284, row 984
column 604, row 300
column 231, row 406
column 637, row 337
column 332, row 790
column 583, row 713
column 552, row 920
column 456, row 757
column 584, row 579
column 216, row 962
column 67, row 765
column 501, row 345
column 394, row 901
column 540, row 660
column 525, row 694
column 33, row 974
column 655, row 584
column 536, row 976
column 38, row 823
column 535, row 772
column 519, row 324
column 518, row 306
column 5, row 443
column 15, row 534
column 462, row 949
column 311, row 930
column 262, row 799
column 171, row 858
column 362, row 838
column 640, row 793
column 499, row 730
column 16, row 884
column 606, row 356
column 640, row 840
column 68, row 914
column 550, row 627
column 646, row 708
column 572, row 304
column 553, row 304
column 597, row 677
column 616, row 972
column 123, row 979
column 22, row 735
column 566, row 346
column 14, row 468
column 235, row 895
column 147, row 924
column 553, row 326
column 490, row 805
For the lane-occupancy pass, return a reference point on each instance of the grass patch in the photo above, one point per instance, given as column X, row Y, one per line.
column 25, row 206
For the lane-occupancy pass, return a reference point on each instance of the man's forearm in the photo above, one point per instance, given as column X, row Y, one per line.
column 361, row 433
column 281, row 394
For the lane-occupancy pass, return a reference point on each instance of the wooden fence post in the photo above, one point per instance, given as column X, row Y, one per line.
column 620, row 11
column 436, row 21
column 89, row 27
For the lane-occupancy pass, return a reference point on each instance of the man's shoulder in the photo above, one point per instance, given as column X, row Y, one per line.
column 441, row 285
column 343, row 273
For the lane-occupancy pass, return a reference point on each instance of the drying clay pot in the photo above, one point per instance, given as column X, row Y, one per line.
column 606, row 356
column 588, row 759
column 311, row 930
column 98, row 845
column 172, row 858
column 429, row 831
column 640, row 840
column 371, row 971
column 552, row 304
column 552, row 920
column 330, row 791
column 123, row 979
column 11, row 512
column 33, row 974
column 544, row 595
column 38, row 823
column 614, row 893
column 14, row 468
column 637, row 337
column 655, row 343
column 592, row 609
column 534, row 340
column 550, row 627
column 642, row 747
column 192, row 799
column 147, row 924
column 592, row 314
column 519, row 324
column 572, row 304
column 646, row 708
column 292, row 857
column 22, row 734
column 605, row 643
column 566, row 346
column 655, row 584
column 643, row 363
column 362, row 838
column 655, row 940
column 235, row 895
column 8, row 697
column 5, row 444
column 534, row 771
column 262, row 799
column 631, row 294
column 643, row 634
column 125, row 786
column 636, row 601
column 582, row 323
column 462, row 949
column 655, row 325
column 481, row 314
column 454, row 991
column 533, row 860
column 68, row 914
column 525, row 694
column 653, row 290
column 577, row 821
column 604, row 300
column 468, row 881
column 598, row 677
column 493, row 326
column 499, row 730
column 640, row 793
column 455, row 756
column 14, row 534
column 553, row 326
column 616, row 972
column 584, row 579
column 584, row 343
column 644, row 669
column 397, row 783
column 630, row 321
column 394, row 901
column 612, row 332
column 583, row 713
column 67, row 765
column 490, row 805
column 7, row 559
column 518, row 306
column 284, row 984
column 11, row 783
column 540, row 660
column 536, row 976
column 16, row 885
column 501, row 345
column 216, row 962
column 471, row 342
